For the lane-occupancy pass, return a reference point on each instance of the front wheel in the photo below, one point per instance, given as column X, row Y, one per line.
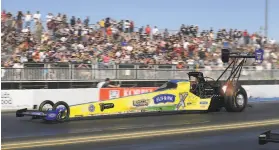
column 63, row 111
column 236, row 101
column 44, row 106
column 47, row 103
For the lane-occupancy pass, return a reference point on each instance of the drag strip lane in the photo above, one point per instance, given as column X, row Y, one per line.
column 131, row 135
column 23, row 129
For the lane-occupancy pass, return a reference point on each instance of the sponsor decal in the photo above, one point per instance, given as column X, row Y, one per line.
column 203, row 102
column 164, row 98
column 109, row 93
column 6, row 98
column 104, row 106
column 193, row 97
column 61, row 108
column 91, row 108
column 142, row 102
column 114, row 94
column 51, row 115
column 202, row 106
column 132, row 111
column 37, row 113
column 182, row 98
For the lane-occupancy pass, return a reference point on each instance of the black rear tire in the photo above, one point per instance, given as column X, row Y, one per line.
column 67, row 115
column 236, row 100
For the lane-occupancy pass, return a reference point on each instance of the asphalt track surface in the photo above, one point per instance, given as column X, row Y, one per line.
column 221, row 130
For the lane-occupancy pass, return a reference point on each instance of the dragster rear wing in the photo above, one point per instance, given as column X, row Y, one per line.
column 235, row 64
column 226, row 54
column 266, row 137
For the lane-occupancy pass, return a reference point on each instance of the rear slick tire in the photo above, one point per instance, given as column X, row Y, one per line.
column 236, row 101
column 67, row 115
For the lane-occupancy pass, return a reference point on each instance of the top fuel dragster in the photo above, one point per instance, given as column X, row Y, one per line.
column 175, row 95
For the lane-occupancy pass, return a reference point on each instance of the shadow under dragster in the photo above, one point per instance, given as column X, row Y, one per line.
column 267, row 137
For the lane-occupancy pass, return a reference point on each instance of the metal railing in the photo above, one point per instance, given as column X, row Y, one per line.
column 131, row 72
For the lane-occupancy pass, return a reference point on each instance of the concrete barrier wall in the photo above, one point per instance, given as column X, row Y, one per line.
column 18, row 99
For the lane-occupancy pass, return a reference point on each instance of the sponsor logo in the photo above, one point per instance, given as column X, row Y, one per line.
column 203, row 102
column 60, row 109
column 114, row 94
column 104, row 106
column 6, row 98
column 189, row 103
column 37, row 113
column 164, row 98
column 51, row 115
column 91, row 108
column 182, row 98
column 193, row 97
column 142, row 102
column 132, row 111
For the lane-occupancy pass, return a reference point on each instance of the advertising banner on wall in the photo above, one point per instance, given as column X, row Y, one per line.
column 111, row 93
column 16, row 99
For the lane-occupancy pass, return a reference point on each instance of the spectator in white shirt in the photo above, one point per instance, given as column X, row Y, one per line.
column 185, row 45
column 155, row 32
column 26, row 30
column 28, row 18
column 127, row 26
column 49, row 17
column 272, row 41
column 37, row 16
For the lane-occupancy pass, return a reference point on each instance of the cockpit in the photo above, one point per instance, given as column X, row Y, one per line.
column 194, row 82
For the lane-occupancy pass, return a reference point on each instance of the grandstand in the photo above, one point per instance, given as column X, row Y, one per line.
column 70, row 49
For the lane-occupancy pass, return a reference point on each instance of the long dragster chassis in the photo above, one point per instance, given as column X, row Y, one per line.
column 175, row 95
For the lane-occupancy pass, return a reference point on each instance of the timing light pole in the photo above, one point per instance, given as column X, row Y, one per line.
column 266, row 18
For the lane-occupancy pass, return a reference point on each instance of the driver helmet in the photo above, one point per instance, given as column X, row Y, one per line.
column 193, row 79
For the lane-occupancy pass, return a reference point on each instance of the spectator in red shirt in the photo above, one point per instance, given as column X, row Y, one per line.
column 246, row 37
column 3, row 16
column 132, row 26
column 147, row 30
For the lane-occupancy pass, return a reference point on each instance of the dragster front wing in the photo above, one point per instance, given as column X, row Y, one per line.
column 50, row 115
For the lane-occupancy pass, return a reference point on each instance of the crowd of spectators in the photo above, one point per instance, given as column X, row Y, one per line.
column 60, row 38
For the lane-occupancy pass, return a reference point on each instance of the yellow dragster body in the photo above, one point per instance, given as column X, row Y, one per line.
column 175, row 96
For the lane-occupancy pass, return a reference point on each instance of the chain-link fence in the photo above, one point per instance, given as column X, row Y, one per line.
column 124, row 72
